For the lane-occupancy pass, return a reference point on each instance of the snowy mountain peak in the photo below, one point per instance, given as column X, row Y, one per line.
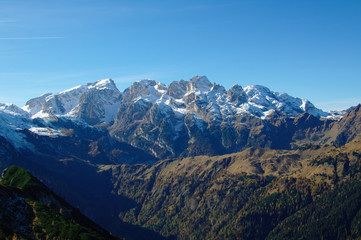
column 70, row 90
column 237, row 95
column 103, row 84
column 35, row 105
column 145, row 89
column 79, row 101
column 257, row 90
column 236, row 89
column 13, row 109
column 99, row 101
column 200, row 83
column 264, row 99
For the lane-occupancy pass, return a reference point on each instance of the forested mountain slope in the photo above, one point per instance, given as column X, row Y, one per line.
column 254, row 194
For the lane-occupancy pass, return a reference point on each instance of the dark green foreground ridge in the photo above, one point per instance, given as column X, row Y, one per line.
column 29, row 210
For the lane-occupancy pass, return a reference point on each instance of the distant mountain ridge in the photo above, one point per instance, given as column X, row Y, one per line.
column 185, row 118
column 79, row 101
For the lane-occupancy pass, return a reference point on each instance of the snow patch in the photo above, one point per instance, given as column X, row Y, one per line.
column 11, row 126
column 46, row 131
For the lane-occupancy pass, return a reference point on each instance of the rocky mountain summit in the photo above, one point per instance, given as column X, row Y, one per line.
column 212, row 102
column 94, row 103
column 185, row 118
column 197, row 117
column 99, row 102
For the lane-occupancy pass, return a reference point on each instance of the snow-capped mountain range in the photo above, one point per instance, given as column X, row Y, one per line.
column 162, row 120
column 181, row 96
column 102, row 96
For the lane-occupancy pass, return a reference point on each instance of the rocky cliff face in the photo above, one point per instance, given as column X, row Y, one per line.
column 196, row 117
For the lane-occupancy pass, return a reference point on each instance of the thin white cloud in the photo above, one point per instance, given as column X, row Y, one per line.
column 30, row 38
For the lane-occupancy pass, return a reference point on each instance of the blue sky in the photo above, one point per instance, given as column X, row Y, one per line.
column 308, row 49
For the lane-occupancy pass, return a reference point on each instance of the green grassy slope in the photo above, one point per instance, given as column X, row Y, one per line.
column 29, row 210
